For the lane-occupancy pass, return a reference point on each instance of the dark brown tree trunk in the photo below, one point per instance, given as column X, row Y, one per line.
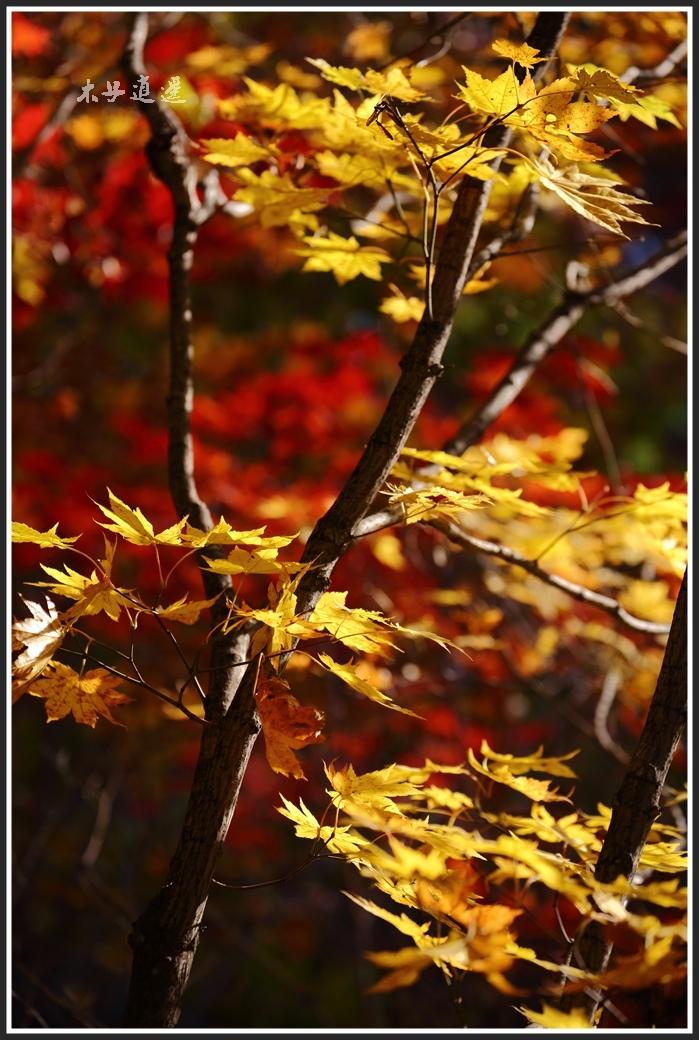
column 637, row 803
column 165, row 938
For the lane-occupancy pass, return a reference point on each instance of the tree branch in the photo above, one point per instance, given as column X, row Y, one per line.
column 167, row 152
column 164, row 939
column 579, row 592
column 544, row 339
column 538, row 346
column 420, row 366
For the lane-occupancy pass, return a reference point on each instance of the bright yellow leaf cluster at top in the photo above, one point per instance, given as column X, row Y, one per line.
column 373, row 144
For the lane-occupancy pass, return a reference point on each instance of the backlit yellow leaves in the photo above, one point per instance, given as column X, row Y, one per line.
column 262, row 561
column 44, row 539
column 498, row 97
column 344, row 257
column 521, row 53
column 429, row 867
column 537, row 790
column 86, row 696
column 348, row 675
column 279, row 202
column 342, row 840
column 536, row 762
column 276, row 107
column 455, row 485
column 552, row 1018
column 92, row 594
column 287, row 726
column 236, row 151
column 595, row 198
column 134, row 527
column 365, row 631
column 394, row 82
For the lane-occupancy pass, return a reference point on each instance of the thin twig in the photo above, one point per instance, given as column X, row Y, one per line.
column 579, row 592
column 558, row 324
column 137, row 680
column 604, row 705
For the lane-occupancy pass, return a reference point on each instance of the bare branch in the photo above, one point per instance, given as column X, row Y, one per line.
column 543, row 340
column 662, row 70
column 579, row 592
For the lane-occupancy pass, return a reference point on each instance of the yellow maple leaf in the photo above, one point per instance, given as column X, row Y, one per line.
column 183, row 611
column 405, row 862
column 536, row 790
column 435, row 503
column 536, row 762
column 403, row 923
column 277, row 107
column 44, row 539
column 552, row 1018
column 600, row 82
column 366, row 631
column 394, row 82
column 263, row 561
column 498, row 97
column 278, row 201
column 349, row 676
column 344, row 257
column 287, row 725
column 370, row 169
column 374, row 790
column 402, row 308
column 550, row 869
column 236, row 151
column 87, row 696
column 342, row 840
column 223, row 534
column 521, row 53
column 594, row 198
column 134, row 527
column 91, row 594
column 647, row 110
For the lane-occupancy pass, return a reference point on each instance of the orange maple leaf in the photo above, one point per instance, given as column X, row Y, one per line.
column 287, row 725
column 85, row 696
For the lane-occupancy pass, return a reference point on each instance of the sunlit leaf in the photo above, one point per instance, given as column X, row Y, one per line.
column 44, row 539
column 87, row 696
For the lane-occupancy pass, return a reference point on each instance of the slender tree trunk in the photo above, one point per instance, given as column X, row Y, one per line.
column 165, row 937
column 637, row 804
